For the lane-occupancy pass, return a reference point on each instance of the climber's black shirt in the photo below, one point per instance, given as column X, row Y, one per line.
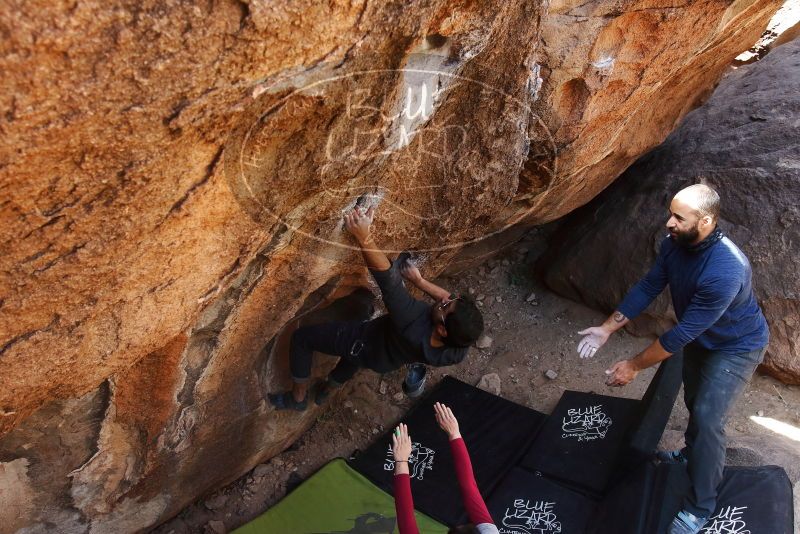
column 404, row 334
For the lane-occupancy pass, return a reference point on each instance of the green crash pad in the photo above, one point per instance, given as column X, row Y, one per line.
column 335, row 500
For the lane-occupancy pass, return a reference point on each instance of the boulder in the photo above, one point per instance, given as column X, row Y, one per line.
column 744, row 142
column 173, row 176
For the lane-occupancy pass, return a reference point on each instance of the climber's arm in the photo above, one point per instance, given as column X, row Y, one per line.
column 411, row 273
column 359, row 224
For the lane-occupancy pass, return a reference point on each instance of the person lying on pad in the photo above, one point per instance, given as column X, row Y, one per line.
column 412, row 331
column 482, row 522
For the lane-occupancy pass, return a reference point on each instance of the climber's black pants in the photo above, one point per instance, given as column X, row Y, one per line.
column 345, row 339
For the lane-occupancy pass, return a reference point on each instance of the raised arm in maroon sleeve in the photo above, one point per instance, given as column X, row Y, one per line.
column 404, row 505
column 473, row 502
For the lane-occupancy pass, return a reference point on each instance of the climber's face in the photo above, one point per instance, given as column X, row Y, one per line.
column 442, row 309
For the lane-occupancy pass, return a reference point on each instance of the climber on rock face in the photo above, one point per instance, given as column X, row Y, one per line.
column 411, row 332
column 720, row 328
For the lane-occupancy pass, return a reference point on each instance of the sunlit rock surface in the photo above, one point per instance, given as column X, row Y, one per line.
column 173, row 176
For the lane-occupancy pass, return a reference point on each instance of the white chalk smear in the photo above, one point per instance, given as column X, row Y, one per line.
column 604, row 63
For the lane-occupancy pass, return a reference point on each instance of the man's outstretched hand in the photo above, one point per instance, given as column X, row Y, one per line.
column 621, row 373
column 359, row 223
column 594, row 338
column 447, row 421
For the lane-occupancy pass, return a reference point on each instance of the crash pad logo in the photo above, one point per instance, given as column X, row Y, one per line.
column 585, row 424
column 421, row 460
column 530, row 517
column 728, row 521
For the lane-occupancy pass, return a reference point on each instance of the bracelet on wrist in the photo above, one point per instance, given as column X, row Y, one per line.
column 401, row 461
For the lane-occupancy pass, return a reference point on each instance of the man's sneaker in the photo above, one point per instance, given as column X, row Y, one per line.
column 285, row 401
column 672, row 457
column 686, row 523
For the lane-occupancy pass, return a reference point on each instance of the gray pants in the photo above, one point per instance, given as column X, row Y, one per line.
column 712, row 382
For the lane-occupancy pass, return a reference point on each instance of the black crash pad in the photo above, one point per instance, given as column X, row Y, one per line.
column 752, row 500
column 624, row 509
column 582, row 440
column 654, row 411
column 496, row 431
column 527, row 503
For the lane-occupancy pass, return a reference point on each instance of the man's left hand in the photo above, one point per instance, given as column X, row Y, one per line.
column 621, row 373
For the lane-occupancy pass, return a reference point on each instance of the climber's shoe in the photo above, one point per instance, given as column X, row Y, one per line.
column 414, row 383
column 672, row 457
column 286, row 401
column 324, row 389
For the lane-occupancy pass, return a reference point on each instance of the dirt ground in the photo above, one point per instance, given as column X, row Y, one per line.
column 530, row 336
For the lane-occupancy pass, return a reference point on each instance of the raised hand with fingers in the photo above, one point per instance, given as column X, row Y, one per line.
column 447, row 421
column 358, row 222
column 594, row 338
column 401, row 448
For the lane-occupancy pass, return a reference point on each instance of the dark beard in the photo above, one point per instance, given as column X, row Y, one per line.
column 686, row 238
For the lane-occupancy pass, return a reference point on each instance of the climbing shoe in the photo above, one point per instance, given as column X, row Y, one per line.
column 285, row 401
column 414, row 384
column 323, row 390
column 672, row 457
column 686, row 523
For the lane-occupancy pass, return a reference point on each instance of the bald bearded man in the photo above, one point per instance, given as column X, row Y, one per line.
column 720, row 328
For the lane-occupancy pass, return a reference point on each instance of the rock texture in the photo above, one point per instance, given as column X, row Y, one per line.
column 744, row 142
column 173, row 175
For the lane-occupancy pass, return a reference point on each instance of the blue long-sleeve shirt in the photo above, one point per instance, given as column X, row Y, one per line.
column 712, row 294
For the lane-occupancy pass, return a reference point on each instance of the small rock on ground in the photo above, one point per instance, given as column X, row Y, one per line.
column 217, row 502
column 490, row 383
column 552, row 375
column 484, row 342
column 261, row 471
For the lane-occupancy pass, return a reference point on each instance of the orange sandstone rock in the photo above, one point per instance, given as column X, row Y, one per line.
column 173, row 177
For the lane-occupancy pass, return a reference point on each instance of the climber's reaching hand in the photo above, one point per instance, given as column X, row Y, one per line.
column 359, row 223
